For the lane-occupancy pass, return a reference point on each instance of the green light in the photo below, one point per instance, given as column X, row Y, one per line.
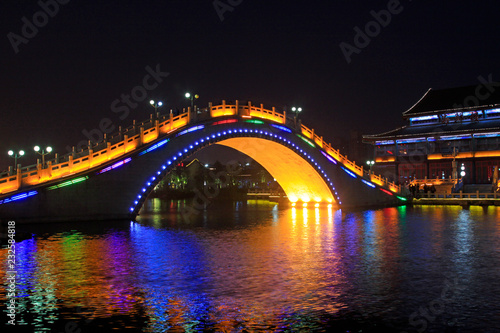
column 401, row 198
column 69, row 182
column 254, row 121
column 307, row 141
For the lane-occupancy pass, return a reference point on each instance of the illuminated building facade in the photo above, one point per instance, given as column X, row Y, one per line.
column 448, row 131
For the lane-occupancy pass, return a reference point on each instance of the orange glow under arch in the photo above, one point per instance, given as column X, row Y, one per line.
column 299, row 180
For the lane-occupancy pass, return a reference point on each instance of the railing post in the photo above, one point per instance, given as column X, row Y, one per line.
column 237, row 108
column 171, row 121
column 284, row 117
column 108, row 149
column 189, row 114
column 70, row 163
column 49, row 169
column 18, row 176
column 91, row 151
column 141, row 136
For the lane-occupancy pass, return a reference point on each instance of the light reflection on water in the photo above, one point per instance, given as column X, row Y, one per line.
column 256, row 266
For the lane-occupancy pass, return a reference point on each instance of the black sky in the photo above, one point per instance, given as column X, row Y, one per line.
column 65, row 78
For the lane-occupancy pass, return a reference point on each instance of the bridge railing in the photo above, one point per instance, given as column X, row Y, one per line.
column 127, row 140
column 359, row 170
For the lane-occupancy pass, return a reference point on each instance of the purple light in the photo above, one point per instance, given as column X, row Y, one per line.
column 329, row 157
column 116, row 165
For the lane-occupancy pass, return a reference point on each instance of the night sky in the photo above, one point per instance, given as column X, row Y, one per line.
column 63, row 78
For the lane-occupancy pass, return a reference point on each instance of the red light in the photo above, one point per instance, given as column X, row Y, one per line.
column 227, row 121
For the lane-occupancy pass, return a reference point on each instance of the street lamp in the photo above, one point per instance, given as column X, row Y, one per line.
column 192, row 98
column 296, row 111
column 462, row 173
column 43, row 152
column 370, row 163
column 16, row 156
column 156, row 105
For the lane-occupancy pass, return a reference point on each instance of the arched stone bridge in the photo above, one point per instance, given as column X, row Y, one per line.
column 112, row 179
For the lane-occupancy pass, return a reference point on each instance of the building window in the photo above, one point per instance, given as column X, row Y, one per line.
column 411, row 171
column 419, row 148
column 440, row 170
column 384, row 150
column 487, row 144
column 484, row 171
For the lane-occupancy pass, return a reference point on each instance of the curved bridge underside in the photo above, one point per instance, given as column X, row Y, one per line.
column 306, row 169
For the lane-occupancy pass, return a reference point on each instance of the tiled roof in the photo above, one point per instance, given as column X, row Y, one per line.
column 478, row 96
column 492, row 125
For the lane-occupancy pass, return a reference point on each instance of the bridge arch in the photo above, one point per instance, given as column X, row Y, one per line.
column 287, row 159
column 114, row 178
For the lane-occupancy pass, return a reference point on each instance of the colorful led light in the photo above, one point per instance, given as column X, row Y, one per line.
column 116, row 165
column 18, row 197
column 68, row 183
column 254, row 121
column 307, row 141
column 349, row 172
column 158, row 145
column 331, row 159
column 281, row 127
column 227, row 121
column 192, row 129
column 385, row 191
column 368, row 183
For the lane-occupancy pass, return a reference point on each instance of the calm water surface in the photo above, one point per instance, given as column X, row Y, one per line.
column 253, row 266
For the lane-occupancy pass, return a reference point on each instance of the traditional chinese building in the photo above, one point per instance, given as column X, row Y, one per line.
column 448, row 133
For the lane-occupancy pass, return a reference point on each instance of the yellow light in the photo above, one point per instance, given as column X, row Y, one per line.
column 293, row 204
column 330, row 205
column 296, row 176
column 316, row 205
column 304, row 204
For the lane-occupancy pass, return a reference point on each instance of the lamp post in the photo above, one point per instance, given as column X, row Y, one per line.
column 43, row 152
column 296, row 111
column 16, row 156
column 156, row 105
column 192, row 98
column 462, row 173
column 370, row 163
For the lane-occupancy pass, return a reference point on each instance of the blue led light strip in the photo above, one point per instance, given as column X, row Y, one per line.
column 349, row 172
column 283, row 128
column 158, row 145
column 368, row 183
column 18, row 197
column 192, row 129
